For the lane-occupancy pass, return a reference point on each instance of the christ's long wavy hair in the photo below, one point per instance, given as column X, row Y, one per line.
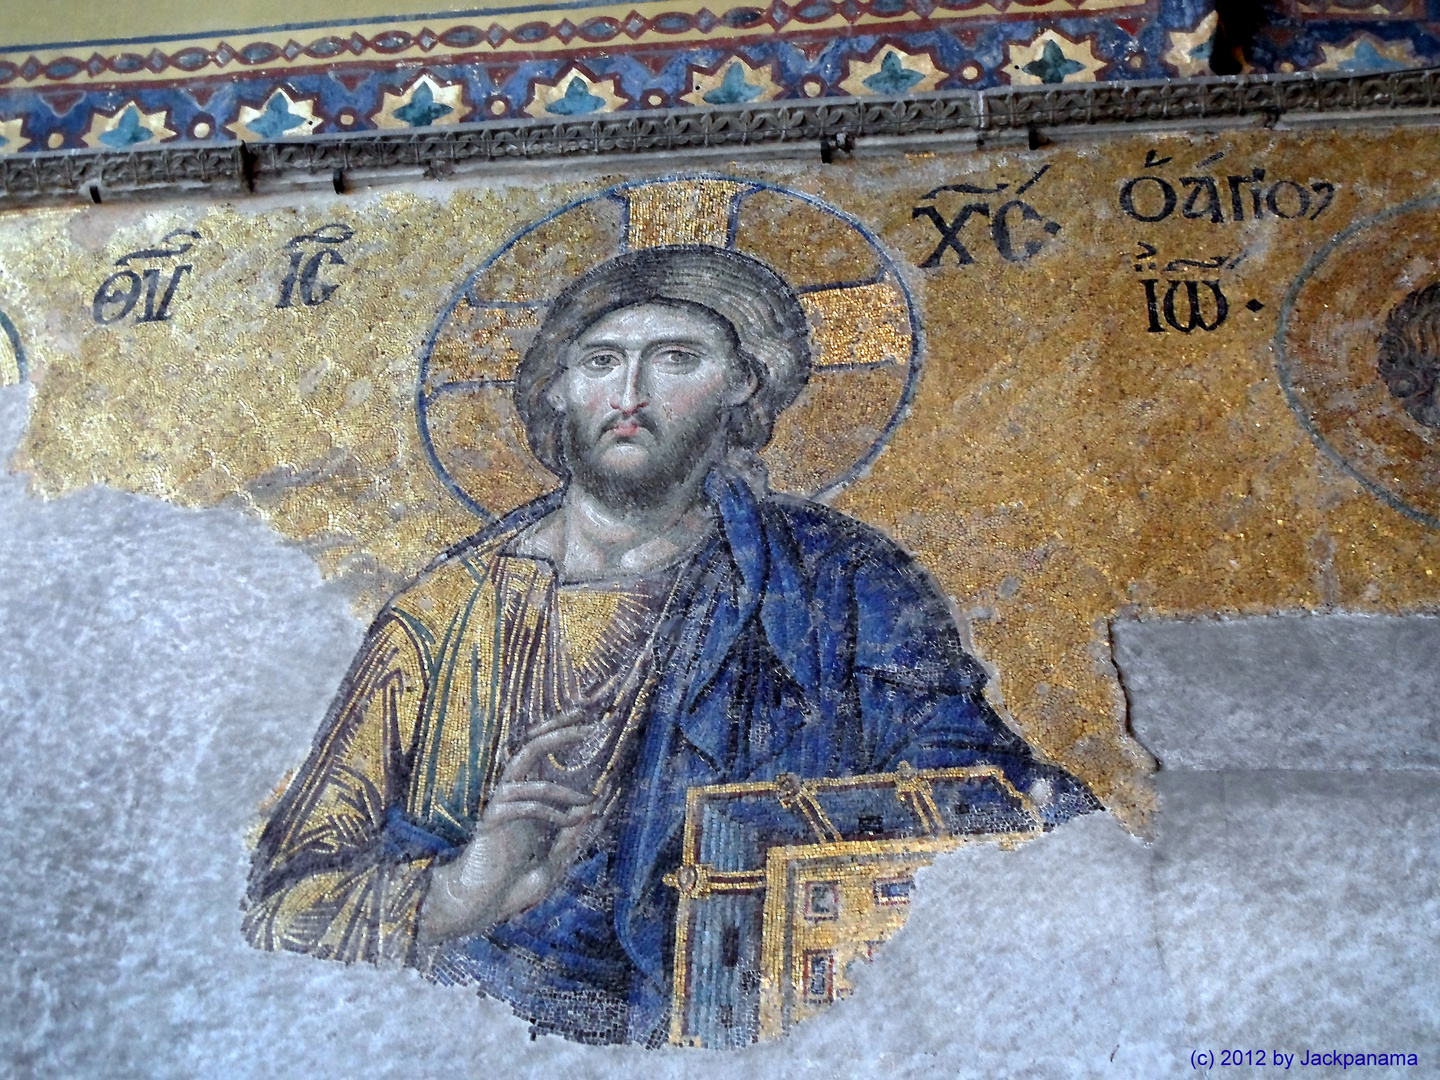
column 761, row 313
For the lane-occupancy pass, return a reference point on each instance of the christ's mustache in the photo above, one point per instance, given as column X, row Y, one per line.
column 640, row 418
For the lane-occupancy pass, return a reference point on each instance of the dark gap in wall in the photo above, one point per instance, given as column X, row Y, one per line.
column 1240, row 21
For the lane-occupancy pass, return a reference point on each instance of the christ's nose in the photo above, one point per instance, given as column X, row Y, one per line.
column 632, row 397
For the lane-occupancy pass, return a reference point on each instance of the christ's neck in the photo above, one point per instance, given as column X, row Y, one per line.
column 589, row 538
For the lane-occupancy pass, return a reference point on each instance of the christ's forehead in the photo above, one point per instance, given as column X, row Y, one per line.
column 649, row 325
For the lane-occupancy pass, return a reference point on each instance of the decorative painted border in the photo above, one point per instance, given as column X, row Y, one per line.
column 568, row 60
column 1349, row 11
column 506, row 29
column 648, row 56
column 1350, row 45
column 831, row 127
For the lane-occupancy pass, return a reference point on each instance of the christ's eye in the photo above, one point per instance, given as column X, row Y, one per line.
column 600, row 362
column 676, row 359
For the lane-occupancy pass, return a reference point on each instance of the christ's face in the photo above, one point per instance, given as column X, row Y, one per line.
column 644, row 393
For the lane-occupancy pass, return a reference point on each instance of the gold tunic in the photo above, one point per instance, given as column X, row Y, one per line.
column 453, row 675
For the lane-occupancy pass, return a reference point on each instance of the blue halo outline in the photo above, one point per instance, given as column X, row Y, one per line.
column 1282, row 362
column 888, row 268
column 8, row 329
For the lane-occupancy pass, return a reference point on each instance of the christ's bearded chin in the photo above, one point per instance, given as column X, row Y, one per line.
column 671, row 451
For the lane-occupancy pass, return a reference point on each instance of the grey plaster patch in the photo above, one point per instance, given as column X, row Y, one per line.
column 1301, row 910
column 1040, row 962
column 1287, row 692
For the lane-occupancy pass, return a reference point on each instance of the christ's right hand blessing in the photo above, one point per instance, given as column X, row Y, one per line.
column 525, row 839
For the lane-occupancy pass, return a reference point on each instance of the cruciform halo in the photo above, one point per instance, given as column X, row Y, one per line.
column 864, row 333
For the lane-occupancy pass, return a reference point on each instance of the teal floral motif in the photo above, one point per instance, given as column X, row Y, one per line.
column 276, row 120
column 733, row 89
column 3, row 140
column 577, row 100
column 893, row 76
column 128, row 131
column 1368, row 58
column 1053, row 65
column 423, row 109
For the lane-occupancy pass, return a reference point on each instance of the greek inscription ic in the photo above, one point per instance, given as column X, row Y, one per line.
column 309, row 254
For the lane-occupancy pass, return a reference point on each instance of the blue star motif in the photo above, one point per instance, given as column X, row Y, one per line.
column 276, row 120
column 1368, row 58
column 733, row 89
column 423, row 109
column 1053, row 65
column 893, row 76
column 127, row 132
column 577, row 100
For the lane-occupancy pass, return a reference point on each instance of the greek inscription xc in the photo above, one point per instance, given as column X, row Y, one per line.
column 1017, row 230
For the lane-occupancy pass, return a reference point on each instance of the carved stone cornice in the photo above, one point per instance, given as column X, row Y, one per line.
column 829, row 126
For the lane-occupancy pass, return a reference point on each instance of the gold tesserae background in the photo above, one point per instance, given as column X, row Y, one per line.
column 1097, row 426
